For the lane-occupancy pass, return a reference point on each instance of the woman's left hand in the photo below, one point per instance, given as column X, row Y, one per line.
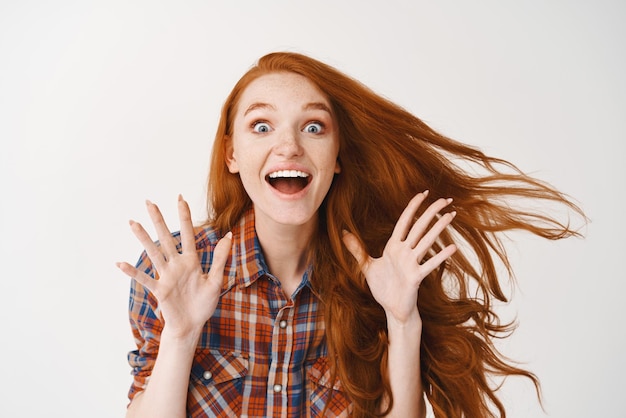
column 395, row 277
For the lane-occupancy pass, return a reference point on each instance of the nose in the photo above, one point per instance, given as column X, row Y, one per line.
column 288, row 144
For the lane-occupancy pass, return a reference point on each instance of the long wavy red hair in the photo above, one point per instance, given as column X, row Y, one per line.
column 388, row 155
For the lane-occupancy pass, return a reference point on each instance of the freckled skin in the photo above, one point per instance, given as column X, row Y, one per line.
column 283, row 121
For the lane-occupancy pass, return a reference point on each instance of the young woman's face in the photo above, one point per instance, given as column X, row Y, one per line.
column 284, row 147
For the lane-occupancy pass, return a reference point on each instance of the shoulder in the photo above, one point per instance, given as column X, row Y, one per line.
column 206, row 237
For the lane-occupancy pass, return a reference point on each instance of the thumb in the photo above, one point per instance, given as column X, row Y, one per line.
column 353, row 245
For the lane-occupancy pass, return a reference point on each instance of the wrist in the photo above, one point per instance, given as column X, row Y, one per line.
column 411, row 322
column 188, row 338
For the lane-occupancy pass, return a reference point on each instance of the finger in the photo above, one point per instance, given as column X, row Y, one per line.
column 421, row 225
column 187, row 235
column 431, row 236
column 406, row 219
column 354, row 247
column 435, row 261
column 220, row 256
column 168, row 245
column 154, row 253
column 138, row 275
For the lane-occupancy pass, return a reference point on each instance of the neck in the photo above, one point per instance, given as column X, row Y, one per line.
column 286, row 250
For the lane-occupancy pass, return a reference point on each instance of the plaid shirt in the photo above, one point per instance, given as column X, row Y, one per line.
column 260, row 355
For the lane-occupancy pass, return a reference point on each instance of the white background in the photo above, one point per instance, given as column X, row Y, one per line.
column 106, row 103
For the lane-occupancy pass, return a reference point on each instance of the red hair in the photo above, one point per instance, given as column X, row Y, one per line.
column 387, row 156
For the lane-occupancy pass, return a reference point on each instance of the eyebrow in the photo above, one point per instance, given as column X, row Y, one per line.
column 255, row 106
column 317, row 105
column 308, row 106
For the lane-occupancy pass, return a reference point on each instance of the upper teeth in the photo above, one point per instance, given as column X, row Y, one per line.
column 288, row 173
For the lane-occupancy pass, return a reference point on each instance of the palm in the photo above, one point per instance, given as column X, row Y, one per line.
column 187, row 297
column 395, row 277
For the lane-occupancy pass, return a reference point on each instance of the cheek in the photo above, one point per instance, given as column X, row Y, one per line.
column 241, row 158
column 331, row 169
column 249, row 168
column 332, row 161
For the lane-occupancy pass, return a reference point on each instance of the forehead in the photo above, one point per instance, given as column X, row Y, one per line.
column 280, row 89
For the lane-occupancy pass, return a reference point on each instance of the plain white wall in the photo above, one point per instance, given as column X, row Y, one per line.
column 106, row 103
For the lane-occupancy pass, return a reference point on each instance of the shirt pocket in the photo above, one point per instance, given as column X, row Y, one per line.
column 216, row 384
column 324, row 391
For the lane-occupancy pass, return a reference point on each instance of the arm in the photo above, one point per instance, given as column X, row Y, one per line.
column 187, row 299
column 166, row 392
column 394, row 280
column 404, row 368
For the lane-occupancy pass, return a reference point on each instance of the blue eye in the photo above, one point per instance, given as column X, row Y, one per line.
column 314, row 128
column 261, row 127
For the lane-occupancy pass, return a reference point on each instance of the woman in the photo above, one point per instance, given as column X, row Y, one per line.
column 331, row 208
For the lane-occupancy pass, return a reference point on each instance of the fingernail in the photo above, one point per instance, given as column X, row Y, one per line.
column 148, row 203
column 453, row 213
column 131, row 222
column 425, row 192
column 229, row 235
column 180, row 197
column 449, row 200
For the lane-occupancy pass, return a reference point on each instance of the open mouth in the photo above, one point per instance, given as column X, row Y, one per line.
column 288, row 181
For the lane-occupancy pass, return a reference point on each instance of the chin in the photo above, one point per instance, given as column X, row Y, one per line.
column 289, row 216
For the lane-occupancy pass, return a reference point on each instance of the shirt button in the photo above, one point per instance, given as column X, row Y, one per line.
column 278, row 388
column 283, row 324
column 207, row 375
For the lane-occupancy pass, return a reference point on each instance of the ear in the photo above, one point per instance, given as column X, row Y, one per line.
column 231, row 161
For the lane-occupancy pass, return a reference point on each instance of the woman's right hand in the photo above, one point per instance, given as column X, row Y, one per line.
column 187, row 297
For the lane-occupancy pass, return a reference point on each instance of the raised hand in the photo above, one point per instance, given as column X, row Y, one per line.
column 187, row 297
column 395, row 277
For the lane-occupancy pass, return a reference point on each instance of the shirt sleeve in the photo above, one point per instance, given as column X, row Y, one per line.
column 146, row 325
